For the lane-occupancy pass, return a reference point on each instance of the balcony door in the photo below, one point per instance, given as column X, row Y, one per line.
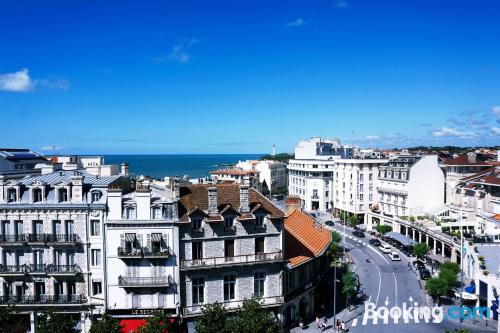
column 229, row 249
column 70, row 258
column 71, row 288
column 39, row 290
column 38, row 227
column 57, row 228
column 58, row 288
column 58, row 258
column 6, row 228
column 38, row 258
column 20, row 292
column 70, row 228
column 19, row 229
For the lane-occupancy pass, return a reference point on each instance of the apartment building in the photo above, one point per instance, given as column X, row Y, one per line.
column 93, row 165
column 231, row 247
column 51, row 245
column 407, row 185
column 273, row 176
column 141, row 232
column 236, row 176
column 20, row 162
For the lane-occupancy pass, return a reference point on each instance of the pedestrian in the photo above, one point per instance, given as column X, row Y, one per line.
column 337, row 324
column 301, row 323
column 342, row 326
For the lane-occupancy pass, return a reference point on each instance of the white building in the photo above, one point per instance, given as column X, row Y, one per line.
column 93, row 165
column 272, row 174
column 408, row 185
column 237, row 176
column 51, row 244
column 141, row 235
column 20, row 162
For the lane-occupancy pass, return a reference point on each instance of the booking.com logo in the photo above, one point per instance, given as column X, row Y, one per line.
column 421, row 314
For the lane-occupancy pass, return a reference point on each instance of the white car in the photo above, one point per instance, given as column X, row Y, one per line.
column 394, row 256
column 385, row 248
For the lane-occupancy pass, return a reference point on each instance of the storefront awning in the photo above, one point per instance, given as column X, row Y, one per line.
column 405, row 241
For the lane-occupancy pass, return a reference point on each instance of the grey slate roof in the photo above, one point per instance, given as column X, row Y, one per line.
column 65, row 177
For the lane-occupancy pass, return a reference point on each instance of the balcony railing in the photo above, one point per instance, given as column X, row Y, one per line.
column 234, row 304
column 134, row 281
column 37, row 268
column 43, row 299
column 37, row 238
column 62, row 238
column 223, row 261
column 145, row 252
column 129, row 252
column 12, row 239
column 156, row 253
column 63, row 269
column 13, row 269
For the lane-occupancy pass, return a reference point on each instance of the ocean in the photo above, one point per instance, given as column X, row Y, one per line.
column 192, row 165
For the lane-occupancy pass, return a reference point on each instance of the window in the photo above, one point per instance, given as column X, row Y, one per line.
column 95, row 228
column 11, row 195
column 96, row 287
column 197, row 250
column 37, row 195
column 361, row 187
column 258, row 284
column 370, row 177
column 229, row 249
column 196, row 223
column 259, row 245
column 96, row 257
column 228, row 221
column 361, row 177
column 63, row 195
column 129, row 213
column 198, row 290
column 259, row 220
column 229, row 284
column 156, row 213
column 96, row 196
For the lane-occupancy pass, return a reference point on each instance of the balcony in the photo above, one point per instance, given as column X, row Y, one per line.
column 129, row 253
column 12, row 240
column 271, row 301
column 155, row 253
column 13, row 270
column 231, row 261
column 37, row 238
column 37, row 269
column 63, row 270
column 145, row 282
column 20, row 300
column 62, row 239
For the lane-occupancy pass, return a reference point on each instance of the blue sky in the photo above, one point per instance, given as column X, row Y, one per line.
column 239, row 76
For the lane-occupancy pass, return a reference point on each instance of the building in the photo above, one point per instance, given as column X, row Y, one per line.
column 51, row 245
column 355, row 185
column 460, row 167
column 237, row 176
column 306, row 245
column 273, row 177
column 407, row 185
column 311, row 172
column 20, row 162
column 231, row 247
column 93, row 165
column 141, row 269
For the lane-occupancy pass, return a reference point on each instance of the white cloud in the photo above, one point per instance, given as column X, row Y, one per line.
column 341, row 4
column 51, row 148
column 180, row 52
column 19, row 81
column 496, row 130
column 372, row 137
column 496, row 110
column 445, row 132
column 295, row 23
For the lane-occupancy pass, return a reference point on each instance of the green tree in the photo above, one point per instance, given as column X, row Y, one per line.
column 437, row 288
column 353, row 220
column 160, row 322
column 9, row 321
column 349, row 285
column 333, row 250
column 213, row 319
column 106, row 324
column 53, row 322
column 421, row 249
column 412, row 218
column 383, row 229
column 253, row 318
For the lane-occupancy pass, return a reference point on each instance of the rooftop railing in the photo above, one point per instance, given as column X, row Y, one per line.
column 232, row 260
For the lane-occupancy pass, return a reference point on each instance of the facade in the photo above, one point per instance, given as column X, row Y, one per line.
column 304, row 285
column 236, row 176
column 272, row 174
column 231, row 247
column 93, row 165
column 141, row 232
column 51, row 243
column 20, row 162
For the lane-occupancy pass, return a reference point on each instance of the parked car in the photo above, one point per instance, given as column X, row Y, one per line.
column 358, row 233
column 418, row 264
column 394, row 256
column 330, row 223
column 424, row 273
column 374, row 242
column 385, row 248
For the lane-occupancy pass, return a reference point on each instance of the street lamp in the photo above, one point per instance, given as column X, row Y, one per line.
column 336, row 263
column 461, row 264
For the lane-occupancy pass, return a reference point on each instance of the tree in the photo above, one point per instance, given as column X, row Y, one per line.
column 383, row 229
column 437, row 288
column 160, row 322
column 333, row 250
column 353, row 220
column 9, row 322
column 253, row 318
column 349, row 285
column 213, row 319
column 412, row 218
column 53, row 322
column 421, row 249
column 106, row 324
column 444, row 283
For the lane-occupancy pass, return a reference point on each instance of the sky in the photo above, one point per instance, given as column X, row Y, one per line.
column 162, row 77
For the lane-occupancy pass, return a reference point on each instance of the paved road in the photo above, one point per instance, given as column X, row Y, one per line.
column 386, row 283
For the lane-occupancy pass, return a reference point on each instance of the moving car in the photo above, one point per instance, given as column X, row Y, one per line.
column 424, row 273
column 374, row 242
column 385, row 248
column 359, row 234
column 394, row 256
column 330, row 223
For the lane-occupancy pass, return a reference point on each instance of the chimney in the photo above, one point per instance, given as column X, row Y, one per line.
column 143, row 200
column 114, row 204
column 212, row 201
column 471, row 157
column 124, row 169
column 292, row 203
column 244, row 200
column 177, row 189
column 76, row 189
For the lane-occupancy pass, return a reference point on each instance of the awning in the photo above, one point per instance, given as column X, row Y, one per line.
column 130, row 237
column 466, row 296
column 470, row 289
column 156, row 237
column 400, row 238
column 131, row 325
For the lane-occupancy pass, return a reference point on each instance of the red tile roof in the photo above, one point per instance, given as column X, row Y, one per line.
column 304, row 238
column 491, row 177
column 463, row 160
column 228, row 196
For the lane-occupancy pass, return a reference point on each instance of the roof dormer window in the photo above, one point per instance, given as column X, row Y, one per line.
column 11, row 195
column 37, row 195
column 129, row 213
column 96, row 196
column 62, row 194
column 196, row 223
column 228, row 221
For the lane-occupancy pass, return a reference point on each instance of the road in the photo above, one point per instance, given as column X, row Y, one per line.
column 387, row 283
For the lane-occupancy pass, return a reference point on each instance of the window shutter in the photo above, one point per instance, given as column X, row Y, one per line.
column 122, row 241
column 148, row 241
column 139, row 240
column 164, row 243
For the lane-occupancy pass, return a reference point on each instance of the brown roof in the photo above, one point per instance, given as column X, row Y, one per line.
column 236, row 172
column 496, row 217
column 463, row 160
column 489, row 176
column 228, row 196
column 304, row 238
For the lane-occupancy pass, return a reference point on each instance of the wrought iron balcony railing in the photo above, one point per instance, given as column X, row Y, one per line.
column 143, row 252
column 12, row 239
column 156, row 253
column 62, row 238
column 134, row 281
column 13, row 269
column 43, row 299
column 37, row 238
column 37, row 268
column 223, row 261
column 63, row 269
column 129, row 252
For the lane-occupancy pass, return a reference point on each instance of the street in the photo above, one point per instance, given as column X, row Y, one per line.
column 387, row 283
